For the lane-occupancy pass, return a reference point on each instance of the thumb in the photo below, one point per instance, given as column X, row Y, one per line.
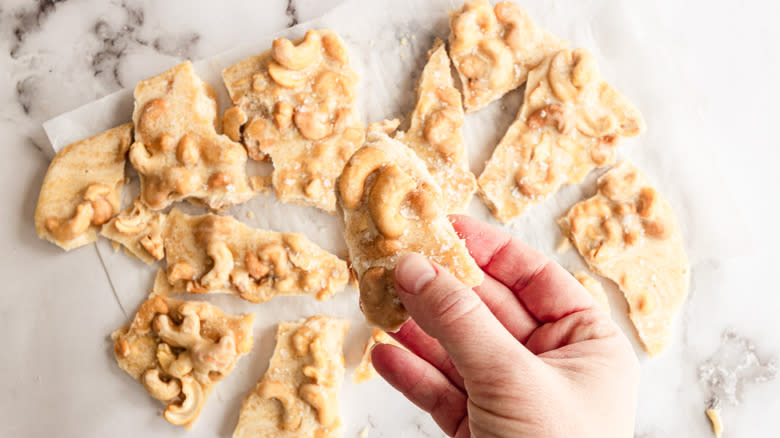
column 455, row 315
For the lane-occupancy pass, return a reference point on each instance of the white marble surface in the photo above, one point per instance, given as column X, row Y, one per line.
column 56, row 56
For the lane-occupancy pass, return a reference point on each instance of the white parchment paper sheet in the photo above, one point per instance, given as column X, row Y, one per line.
column 388, row 40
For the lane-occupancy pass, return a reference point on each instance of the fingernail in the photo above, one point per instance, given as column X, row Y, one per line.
column 413, row 273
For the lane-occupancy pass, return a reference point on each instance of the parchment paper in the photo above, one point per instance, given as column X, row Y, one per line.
column 387, row 41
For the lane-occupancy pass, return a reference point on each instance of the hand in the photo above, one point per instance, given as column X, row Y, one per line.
column 528, row 353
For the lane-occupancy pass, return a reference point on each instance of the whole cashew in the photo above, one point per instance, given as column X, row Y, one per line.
column 313, row 124
column 516, row 18
column 353, row 179
column 319, row 398
column 440, row 128
column 140, row 158
column 384, row 203
column 501, row 59
column 285, row 77
column 186, row 411
column 73, row 227
column 378, row 298
column 187, row 152
column 219, row 274
column 158, row 389
column 232, row 121
column 300, row 56
column 292, row 415
column 470, row 26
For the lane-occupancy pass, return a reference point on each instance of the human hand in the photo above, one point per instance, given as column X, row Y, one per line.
column 528, row 353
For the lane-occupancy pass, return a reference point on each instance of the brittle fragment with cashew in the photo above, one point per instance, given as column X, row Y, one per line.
column 179, row 350
column 139, row 230
column 82, row 187
column 212, row 253
column 298, row 395
column 628, row 233
column 365, row 370
column 594, row 288
column 571, row 122
column 435, row 133
column 177, row 151
column 392, row 207
column 493, row 48
column 296, row 104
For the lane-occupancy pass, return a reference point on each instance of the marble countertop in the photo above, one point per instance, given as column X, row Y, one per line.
column 56, row 55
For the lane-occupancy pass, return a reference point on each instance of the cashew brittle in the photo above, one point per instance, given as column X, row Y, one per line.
column 297, row 396
column 365, row 370
column 297, row 103
column 81, row 189
column 177, row 151
column 391, row 206
column 212, row 253
column 139, row 230
column 435, row 132
column 617, row 233
column 494, row 48
column 179, row 350
column 571, row 122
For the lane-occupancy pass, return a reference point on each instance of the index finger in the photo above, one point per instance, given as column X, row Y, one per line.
column 547, row 290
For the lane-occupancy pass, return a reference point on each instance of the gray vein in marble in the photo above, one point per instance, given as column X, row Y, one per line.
column 30, row 20
column 292, row 14
column 115, row 42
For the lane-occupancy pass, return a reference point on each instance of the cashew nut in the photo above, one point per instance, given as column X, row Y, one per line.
column 313, row 124
column 570, row 72
column 213, row 357
column 619, row 187
column 277, row 255
column 319, row 398
column 292, row 414
column 189, row 409
column 647, row 202
column 180, row 271
column 658, row 228
column 153, row 244
column 516, row 18
column 300, row 56
column 134, row 222
column 500, row 57
column 287, row 78
column 153, row 111
column 183, row 336
column 542, row 173
column 384, row 203
column 255, row 268
column 441, row 128
column 353, row 179
column 187, row 151
column 140, row 157
column 232, row 121
column 283, row 112
column 157, row 388
column 379, row 300
column 248, row 289
column 475, row 20
column 335, row 48
column 219, row 274
column 551, row 115
column 73, row 227
column 301, row 340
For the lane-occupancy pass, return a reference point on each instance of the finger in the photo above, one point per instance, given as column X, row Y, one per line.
column 547, row 290
column 571, row 329
column 503, row 303
column 411, row 336
column 422, row 384
column 453, row 314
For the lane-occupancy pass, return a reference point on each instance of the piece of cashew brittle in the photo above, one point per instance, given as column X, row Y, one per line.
column 178, row 350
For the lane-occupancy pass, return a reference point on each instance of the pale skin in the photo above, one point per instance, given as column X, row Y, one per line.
column 528, row 353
